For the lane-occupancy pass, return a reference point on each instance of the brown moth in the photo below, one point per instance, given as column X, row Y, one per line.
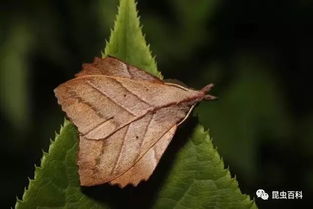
column 125, row 117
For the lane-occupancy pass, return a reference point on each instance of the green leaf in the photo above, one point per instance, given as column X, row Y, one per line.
column 194, row 178
column 127, row 41
column 198, row 179
column 56, row 182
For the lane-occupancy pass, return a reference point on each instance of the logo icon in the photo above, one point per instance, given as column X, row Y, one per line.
column 262, row 194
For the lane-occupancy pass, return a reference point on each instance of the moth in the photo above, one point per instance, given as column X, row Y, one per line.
column 125, row 118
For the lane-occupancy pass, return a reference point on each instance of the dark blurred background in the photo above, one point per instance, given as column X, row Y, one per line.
column 257, row 52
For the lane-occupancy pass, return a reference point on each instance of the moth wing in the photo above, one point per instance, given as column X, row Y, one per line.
column 111, row 66
column 131, row 154
column 143, row 168
column 101, row 105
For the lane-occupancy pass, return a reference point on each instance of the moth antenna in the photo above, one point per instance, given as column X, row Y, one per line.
column 210, row 97
column 207, row 88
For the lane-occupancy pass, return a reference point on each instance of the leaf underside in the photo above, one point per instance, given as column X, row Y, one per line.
column 197, row 179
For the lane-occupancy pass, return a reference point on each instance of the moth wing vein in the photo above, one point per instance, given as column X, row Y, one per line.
column 104, row 94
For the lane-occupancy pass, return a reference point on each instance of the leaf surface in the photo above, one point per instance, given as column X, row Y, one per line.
column 56, row 182
column 198, row 179
column 127, row 41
